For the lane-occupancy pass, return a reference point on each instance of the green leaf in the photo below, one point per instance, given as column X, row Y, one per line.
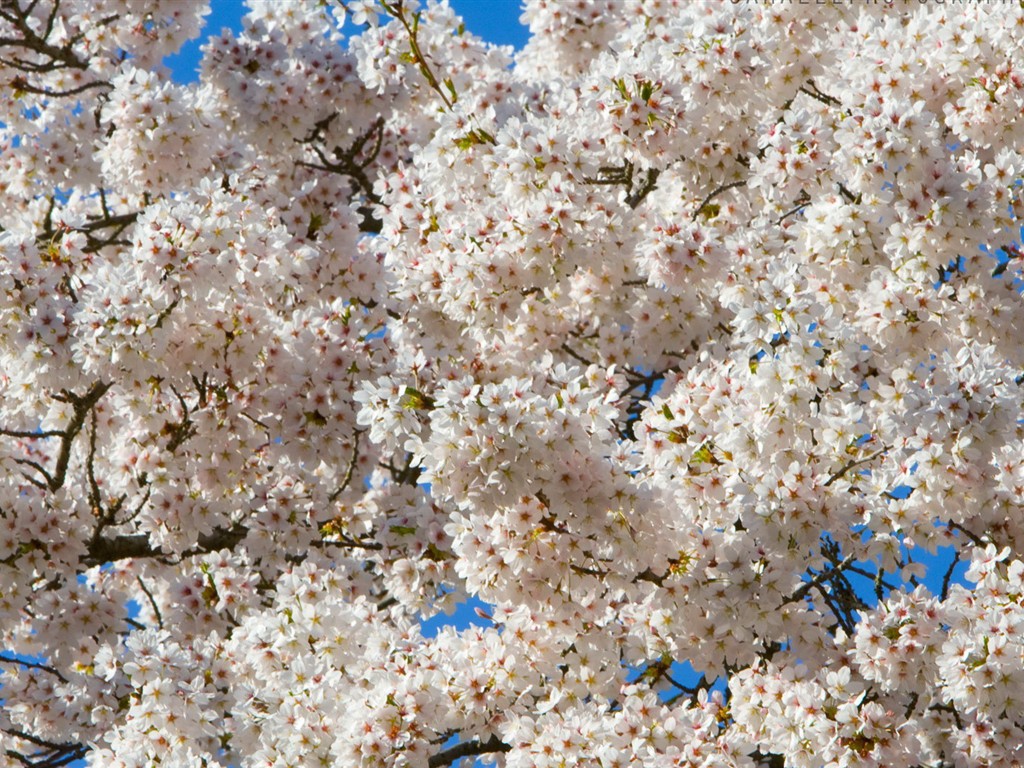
column 316, row 221
column 435, row 554
column 404, row 530
column 451, row 89
column 710, row 210
column 415, row 400
column 677, row 436
column 315, row 417
column 702, row 455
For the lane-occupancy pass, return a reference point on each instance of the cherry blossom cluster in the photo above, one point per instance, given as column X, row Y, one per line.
column 681, row 346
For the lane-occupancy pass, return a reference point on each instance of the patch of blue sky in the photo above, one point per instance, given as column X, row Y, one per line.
column 466, row 615
column 496, row 21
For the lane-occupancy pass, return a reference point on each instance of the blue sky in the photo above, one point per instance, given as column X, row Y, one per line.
column 496, row 21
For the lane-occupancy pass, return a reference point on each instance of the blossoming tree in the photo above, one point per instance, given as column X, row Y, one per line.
column 676, row 338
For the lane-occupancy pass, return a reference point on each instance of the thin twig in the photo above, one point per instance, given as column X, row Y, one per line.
column 818, row 580
column 713, row 195
column 853, row 464
column 948, row 577
column 152, row 601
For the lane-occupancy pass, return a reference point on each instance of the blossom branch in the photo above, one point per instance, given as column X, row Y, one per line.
column 51, row 755
column 21, row 84
column 978, row 541
column 802, row 202
column 397, row 10
column 60, row 57
column 32, row 665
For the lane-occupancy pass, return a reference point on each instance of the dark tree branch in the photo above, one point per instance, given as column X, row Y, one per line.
column 60, row 57
column 32, row 435
column 104, row 550
column 21, row 84
column 38, row 468
column 650, row 183
column 351, row 467
column 622, row 176
column 818, row 580
column 799, row 207
column 853, row 464
column 575, row 355
column 467, row 749
column 848, row 195
column 347, row 162
column 976, row 540
column 812, row 90
column 948, row 577
column 32, row 665
column 51, row 754
column 714, row 194
column 82, row 404
column 152, row 601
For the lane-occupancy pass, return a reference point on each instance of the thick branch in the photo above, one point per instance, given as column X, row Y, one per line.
column 60, row 56
column 82, row 405
column 633, row 199
column 467, row 749
column 104, row 550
